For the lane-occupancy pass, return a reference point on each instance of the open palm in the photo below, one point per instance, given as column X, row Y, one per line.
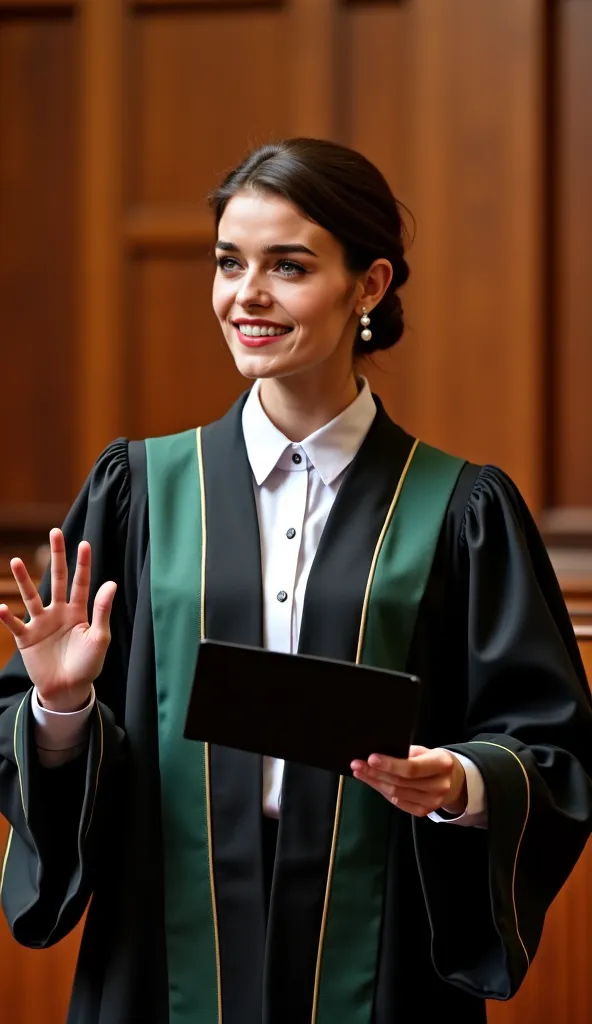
column 62, row 653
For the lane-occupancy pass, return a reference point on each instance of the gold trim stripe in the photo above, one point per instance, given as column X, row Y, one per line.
column 488, row 743
column 5, row 861
column 359, row 650
column 92, row 810
column 16, row 722
column 202, row 633
column 18, row 767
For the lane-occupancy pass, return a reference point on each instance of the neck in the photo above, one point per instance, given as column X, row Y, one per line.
column 298, row 408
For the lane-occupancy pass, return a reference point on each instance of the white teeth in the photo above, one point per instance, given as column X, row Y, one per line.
column 254, row 331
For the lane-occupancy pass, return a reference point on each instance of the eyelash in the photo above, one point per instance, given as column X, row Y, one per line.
column 295, row 271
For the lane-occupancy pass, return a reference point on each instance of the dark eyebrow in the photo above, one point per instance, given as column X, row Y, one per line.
column 282, row 250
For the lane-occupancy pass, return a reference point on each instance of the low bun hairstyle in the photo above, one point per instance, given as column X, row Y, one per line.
column 347, row 195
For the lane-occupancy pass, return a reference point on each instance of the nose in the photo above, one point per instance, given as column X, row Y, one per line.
column 252, row 291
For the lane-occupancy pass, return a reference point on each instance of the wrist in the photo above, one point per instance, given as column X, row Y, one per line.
column 457, row 805
column 68, row 703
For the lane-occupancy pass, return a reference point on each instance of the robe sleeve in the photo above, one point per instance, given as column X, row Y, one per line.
column 60, row 817
column 528, row 728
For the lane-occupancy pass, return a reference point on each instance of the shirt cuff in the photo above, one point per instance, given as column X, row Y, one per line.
column 475, row 813
column 59, row 735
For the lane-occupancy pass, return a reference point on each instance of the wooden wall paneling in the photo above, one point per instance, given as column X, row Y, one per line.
column 36, row 6
column 380, row 118
column 225, row 6
column 195, row 106
column 461, row 117
column 312, row 35
column 99, row 411
column 38, row 254
column 204, row 86
column 572, row 357
column 188, row 376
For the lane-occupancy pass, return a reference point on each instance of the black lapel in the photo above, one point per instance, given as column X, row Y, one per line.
column 233, row 607
column 330, row 627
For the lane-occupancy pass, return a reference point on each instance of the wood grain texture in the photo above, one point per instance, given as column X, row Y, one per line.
column 315, row 72
column 161, row 227
column 188, row 377
column 221, row 6
column 38, row 252
column 100, row 282
column 572, row 470
column 195, row 106
column 456, row 88
column 36, row 6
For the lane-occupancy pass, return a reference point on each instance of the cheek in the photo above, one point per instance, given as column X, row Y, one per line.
column 222, row 297
column 318, row 305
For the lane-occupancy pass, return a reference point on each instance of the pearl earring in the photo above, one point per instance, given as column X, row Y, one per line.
column 365, row 322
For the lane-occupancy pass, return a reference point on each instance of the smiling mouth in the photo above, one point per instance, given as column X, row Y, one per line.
column 261, row 330
column 259, row 335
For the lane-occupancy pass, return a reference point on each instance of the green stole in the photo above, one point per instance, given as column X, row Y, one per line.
column 403, row 556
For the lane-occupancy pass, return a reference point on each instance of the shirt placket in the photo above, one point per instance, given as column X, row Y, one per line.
column 288, row 530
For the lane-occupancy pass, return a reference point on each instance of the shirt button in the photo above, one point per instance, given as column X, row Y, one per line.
column 297, row 458
column 291, row 533
column 282, row 596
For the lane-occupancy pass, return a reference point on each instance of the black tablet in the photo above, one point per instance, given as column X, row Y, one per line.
column 298, row 707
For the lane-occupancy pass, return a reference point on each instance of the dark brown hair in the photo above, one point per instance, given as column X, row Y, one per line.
column 347, row 195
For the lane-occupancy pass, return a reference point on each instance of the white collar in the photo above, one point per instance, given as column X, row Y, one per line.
column 330, row 449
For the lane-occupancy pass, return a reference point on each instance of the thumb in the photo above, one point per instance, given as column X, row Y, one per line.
column 415, row 751
column 102, row 606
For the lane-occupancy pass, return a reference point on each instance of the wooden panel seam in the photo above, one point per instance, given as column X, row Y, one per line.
column 174, row 226
column 101, row 405
column 218, row 4
column 18, row 6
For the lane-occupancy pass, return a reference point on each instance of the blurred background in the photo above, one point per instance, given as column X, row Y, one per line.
column 118, row 116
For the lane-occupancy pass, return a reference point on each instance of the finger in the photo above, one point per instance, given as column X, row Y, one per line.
column 403, row 797
column 415, row 809
column 431, row 784
column 430, row 801
column 27, row 588
column 383, row 790
column 59, row 567
column 81, row 582
column 410, row 806
column 12, row 622
column 431, row 763
column 102, row 608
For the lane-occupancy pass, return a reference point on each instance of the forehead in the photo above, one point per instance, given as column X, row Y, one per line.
column 252, row 220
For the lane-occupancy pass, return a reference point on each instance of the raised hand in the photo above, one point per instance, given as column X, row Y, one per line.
column 62, row 653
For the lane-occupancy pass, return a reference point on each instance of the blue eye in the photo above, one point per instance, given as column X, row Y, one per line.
column 290, row 269
column 226, row 263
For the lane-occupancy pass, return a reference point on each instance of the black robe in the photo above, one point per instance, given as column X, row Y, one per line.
column 503, row 682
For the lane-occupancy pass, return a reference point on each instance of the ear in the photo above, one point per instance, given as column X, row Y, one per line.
column 373, row 284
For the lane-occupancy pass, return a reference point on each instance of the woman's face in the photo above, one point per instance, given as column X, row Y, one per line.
column 282, row 293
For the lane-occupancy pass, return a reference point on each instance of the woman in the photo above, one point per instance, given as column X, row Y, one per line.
column 305, row 520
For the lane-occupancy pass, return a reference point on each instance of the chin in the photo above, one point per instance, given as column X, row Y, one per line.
column 261, row 365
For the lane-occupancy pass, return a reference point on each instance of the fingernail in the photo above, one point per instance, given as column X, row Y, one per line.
column 375, row 760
